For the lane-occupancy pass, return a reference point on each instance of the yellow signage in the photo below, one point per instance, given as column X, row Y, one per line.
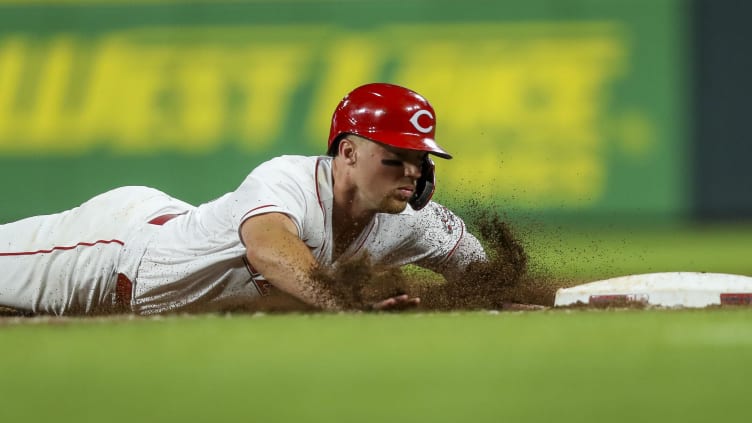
column 520, row 105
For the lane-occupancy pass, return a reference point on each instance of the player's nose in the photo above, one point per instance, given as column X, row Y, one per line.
column 412, row 170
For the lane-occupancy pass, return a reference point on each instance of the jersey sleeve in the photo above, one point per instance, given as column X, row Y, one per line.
column 446, row 243
column 281, row 185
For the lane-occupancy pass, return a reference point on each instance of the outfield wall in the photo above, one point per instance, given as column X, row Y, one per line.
column 558, row 108
column 722, row 178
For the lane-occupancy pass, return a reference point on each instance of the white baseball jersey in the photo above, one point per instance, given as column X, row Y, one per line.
column 193, row 257
column 69, row 262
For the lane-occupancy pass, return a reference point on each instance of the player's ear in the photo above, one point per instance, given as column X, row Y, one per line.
column 348, row 149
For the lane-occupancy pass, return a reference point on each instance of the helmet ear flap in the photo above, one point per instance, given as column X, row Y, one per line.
column 425, row 186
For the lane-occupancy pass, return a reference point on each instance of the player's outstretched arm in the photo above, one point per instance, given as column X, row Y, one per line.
column 468, row 250
column 274, row 249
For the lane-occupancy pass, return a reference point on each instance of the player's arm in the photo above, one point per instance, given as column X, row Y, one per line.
column 274, row 249
column 468, row 250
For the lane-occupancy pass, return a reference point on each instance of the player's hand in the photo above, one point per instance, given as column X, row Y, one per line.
column 400, row 302
column 522, row 307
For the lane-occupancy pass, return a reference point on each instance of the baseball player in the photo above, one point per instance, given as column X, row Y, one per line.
column 139, row 250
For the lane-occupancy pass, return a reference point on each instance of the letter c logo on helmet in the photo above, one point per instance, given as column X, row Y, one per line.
column 416, row 123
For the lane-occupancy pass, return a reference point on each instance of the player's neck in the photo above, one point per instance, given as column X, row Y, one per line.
column 349, row 215
column 348, row 210
column 346, row 227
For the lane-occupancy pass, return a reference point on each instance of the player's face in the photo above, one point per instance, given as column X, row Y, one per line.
column 388, row 176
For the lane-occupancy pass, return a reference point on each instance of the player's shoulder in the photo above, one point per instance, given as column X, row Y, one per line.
column 439, row 216
column 434, row 217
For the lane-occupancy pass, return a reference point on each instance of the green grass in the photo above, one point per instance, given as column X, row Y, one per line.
column 636, row 365
column 597, row 251
column 549, row 366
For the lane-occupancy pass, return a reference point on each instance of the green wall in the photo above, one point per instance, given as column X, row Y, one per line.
column 558, row 108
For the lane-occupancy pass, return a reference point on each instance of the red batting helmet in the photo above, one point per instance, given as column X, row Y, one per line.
column 388, row 114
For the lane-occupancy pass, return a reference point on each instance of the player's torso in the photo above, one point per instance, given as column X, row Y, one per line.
column 194, row 260
column 198, row 260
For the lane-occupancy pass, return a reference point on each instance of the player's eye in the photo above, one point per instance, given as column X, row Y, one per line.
column 391, row 162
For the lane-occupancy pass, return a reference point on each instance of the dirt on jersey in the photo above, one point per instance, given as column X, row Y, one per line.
column 496, row 284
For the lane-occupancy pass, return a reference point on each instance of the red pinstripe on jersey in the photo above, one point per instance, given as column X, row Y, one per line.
column 462, row 227
column 363, row 240
column 318, row 195
column 64, row 248
column 161, row 220
column 258, row 208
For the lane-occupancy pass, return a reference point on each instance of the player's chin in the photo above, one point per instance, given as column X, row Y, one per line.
column 393, row 205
